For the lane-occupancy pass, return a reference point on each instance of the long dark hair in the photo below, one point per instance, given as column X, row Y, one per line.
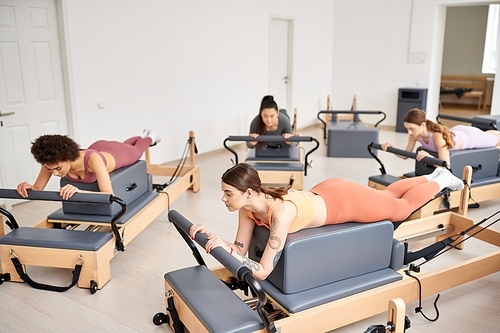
column 417, row 117
column 243, row 176
column 266, row 103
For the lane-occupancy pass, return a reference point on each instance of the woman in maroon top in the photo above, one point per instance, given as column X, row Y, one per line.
column 62, row 157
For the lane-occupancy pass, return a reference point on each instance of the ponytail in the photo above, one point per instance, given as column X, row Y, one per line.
column 445, row 132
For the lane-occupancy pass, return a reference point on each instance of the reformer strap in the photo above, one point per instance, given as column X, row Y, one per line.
column 24, row 276
column 428, row 252
column 176, row 322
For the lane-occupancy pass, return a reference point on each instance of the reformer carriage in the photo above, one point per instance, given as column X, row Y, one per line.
column 304, row 295
column 279, row 161
column 89, row 229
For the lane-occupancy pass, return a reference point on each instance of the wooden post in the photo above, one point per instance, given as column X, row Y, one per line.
column 294, row 125
column 191, row 148
column 328, row 117
column 2, row 230
column 396, row 314
column 147, row 156
column 354, row 106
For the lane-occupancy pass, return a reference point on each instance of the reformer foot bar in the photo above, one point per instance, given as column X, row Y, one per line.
column 349, row 138
column 198, row 300
column 484, row 175
column 355, row 113
column 278, row 170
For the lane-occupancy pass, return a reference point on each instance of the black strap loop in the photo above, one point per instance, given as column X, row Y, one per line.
column 24, row 276
column 176, row 323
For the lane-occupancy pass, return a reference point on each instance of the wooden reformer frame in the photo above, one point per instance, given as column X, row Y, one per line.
column 363, row 305
column 476, row 194
column 96, row 264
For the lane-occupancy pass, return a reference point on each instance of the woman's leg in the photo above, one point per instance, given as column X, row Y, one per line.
column 400, row 199
column 497, row 135
column 399, row 188
column 125, row 153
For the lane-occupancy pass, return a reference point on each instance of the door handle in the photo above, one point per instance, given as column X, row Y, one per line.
column 2, row 114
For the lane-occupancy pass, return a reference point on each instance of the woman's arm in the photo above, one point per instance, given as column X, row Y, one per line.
column 40, row 183
column 277, row 236
column 283, row 215
column 97, row 166
column 285, row 127
column 254, row 132
column 244, row 233
column 409, row 146
column 442, row 148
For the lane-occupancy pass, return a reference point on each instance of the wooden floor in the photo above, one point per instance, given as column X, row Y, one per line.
column 463, row 111
column 136, row 290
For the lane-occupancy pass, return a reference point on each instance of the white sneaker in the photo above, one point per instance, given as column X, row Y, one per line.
column 145, row 133
column 447, row 179
column 155, row 138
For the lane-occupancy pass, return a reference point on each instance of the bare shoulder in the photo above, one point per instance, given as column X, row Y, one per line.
column 285, row 212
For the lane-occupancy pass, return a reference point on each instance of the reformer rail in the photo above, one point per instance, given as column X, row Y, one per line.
column 95, row 198
column 428, row 160
column 477, row 121
column 355, row 113
column 274, row 139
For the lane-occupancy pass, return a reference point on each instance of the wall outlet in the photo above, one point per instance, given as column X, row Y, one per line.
column 417, row 58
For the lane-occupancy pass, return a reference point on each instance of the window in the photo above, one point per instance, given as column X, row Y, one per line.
column 492, row 40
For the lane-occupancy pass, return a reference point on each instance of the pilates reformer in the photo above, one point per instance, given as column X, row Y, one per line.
column 300, row 295
column 283, row 164
column 86, row 251
column 348, row 138
column 484, row 173
column 108, row 227
column 484, row 122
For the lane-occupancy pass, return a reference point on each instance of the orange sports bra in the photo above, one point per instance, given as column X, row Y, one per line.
column 305, row 211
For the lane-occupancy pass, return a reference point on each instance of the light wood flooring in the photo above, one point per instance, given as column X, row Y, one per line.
column 136, row 290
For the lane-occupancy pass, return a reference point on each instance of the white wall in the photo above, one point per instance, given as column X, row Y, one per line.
column 370, row 55
column 373, row 40
column 176, row 66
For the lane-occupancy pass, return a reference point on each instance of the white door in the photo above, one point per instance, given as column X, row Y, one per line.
column 280, row 76
column 32, row 101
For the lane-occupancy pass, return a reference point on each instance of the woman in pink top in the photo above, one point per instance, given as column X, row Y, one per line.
column 441, row 139
column 62, row 157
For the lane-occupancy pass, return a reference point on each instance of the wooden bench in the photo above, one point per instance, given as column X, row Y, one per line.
column 478, row 85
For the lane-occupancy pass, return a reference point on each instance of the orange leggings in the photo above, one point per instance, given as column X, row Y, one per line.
column 351, row 202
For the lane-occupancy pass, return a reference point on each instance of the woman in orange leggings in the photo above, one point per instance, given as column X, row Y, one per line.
column 332, row 201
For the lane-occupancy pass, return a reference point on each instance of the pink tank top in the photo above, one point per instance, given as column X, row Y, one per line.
column 89, row 177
